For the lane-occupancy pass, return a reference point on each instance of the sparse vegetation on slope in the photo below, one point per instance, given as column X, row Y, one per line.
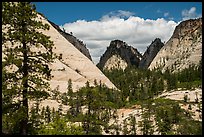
column 143, row 86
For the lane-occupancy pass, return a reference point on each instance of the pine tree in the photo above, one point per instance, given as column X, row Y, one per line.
column 47, row 114
column 60, row 110
column 196, row 99
column 146, row 123
column 163, row 121
column 28, row 81
column 95, row 82
column 56, row 94
column 87, row 121
column 175, row 113
column 161, row 84
column 53, row 114
column 125, row 128
column 154, row 88
column 43, row 113
column 97, row 115
column 185, row 98
column 69, row 88
column 71, row 100
column 115, row 126
column 78, row 102
column 133, row 125
column 64, row 99
column 35, row 119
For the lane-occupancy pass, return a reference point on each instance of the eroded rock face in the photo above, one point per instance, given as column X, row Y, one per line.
column 119, row 55
column 150, row 53
column 73, row 40
column 183, row 49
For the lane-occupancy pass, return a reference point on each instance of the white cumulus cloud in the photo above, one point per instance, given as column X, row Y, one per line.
column 122, row 25
column 190, row 14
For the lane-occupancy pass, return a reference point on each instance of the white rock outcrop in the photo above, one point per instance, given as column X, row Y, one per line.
column 74, row 65
column 183, row 49
column 114, row 62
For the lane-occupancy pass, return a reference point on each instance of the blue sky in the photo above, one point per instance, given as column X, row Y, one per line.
column 136, row 23
column 63, row 12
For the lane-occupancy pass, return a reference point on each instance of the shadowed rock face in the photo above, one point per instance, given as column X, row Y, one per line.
column 76, row 42
column 150, row 53
column 127, row 56
column 183, row 49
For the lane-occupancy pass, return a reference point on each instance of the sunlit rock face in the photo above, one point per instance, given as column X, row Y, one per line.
column 73, row 65
column 183, row 49
column 115, row 61
column 119, row 55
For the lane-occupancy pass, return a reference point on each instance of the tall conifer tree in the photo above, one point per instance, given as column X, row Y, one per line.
column 25, row 71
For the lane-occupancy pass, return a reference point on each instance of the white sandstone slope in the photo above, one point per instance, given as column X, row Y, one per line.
column 115, row 61
column 183, row 49
column 74, row 65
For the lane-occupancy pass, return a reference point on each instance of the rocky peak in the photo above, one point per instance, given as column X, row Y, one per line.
column 186, row 27
column 150, row 53
column 183, row 49
column 156, row 41
column 119, row 55
column 73, row 40
column 117, row 44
